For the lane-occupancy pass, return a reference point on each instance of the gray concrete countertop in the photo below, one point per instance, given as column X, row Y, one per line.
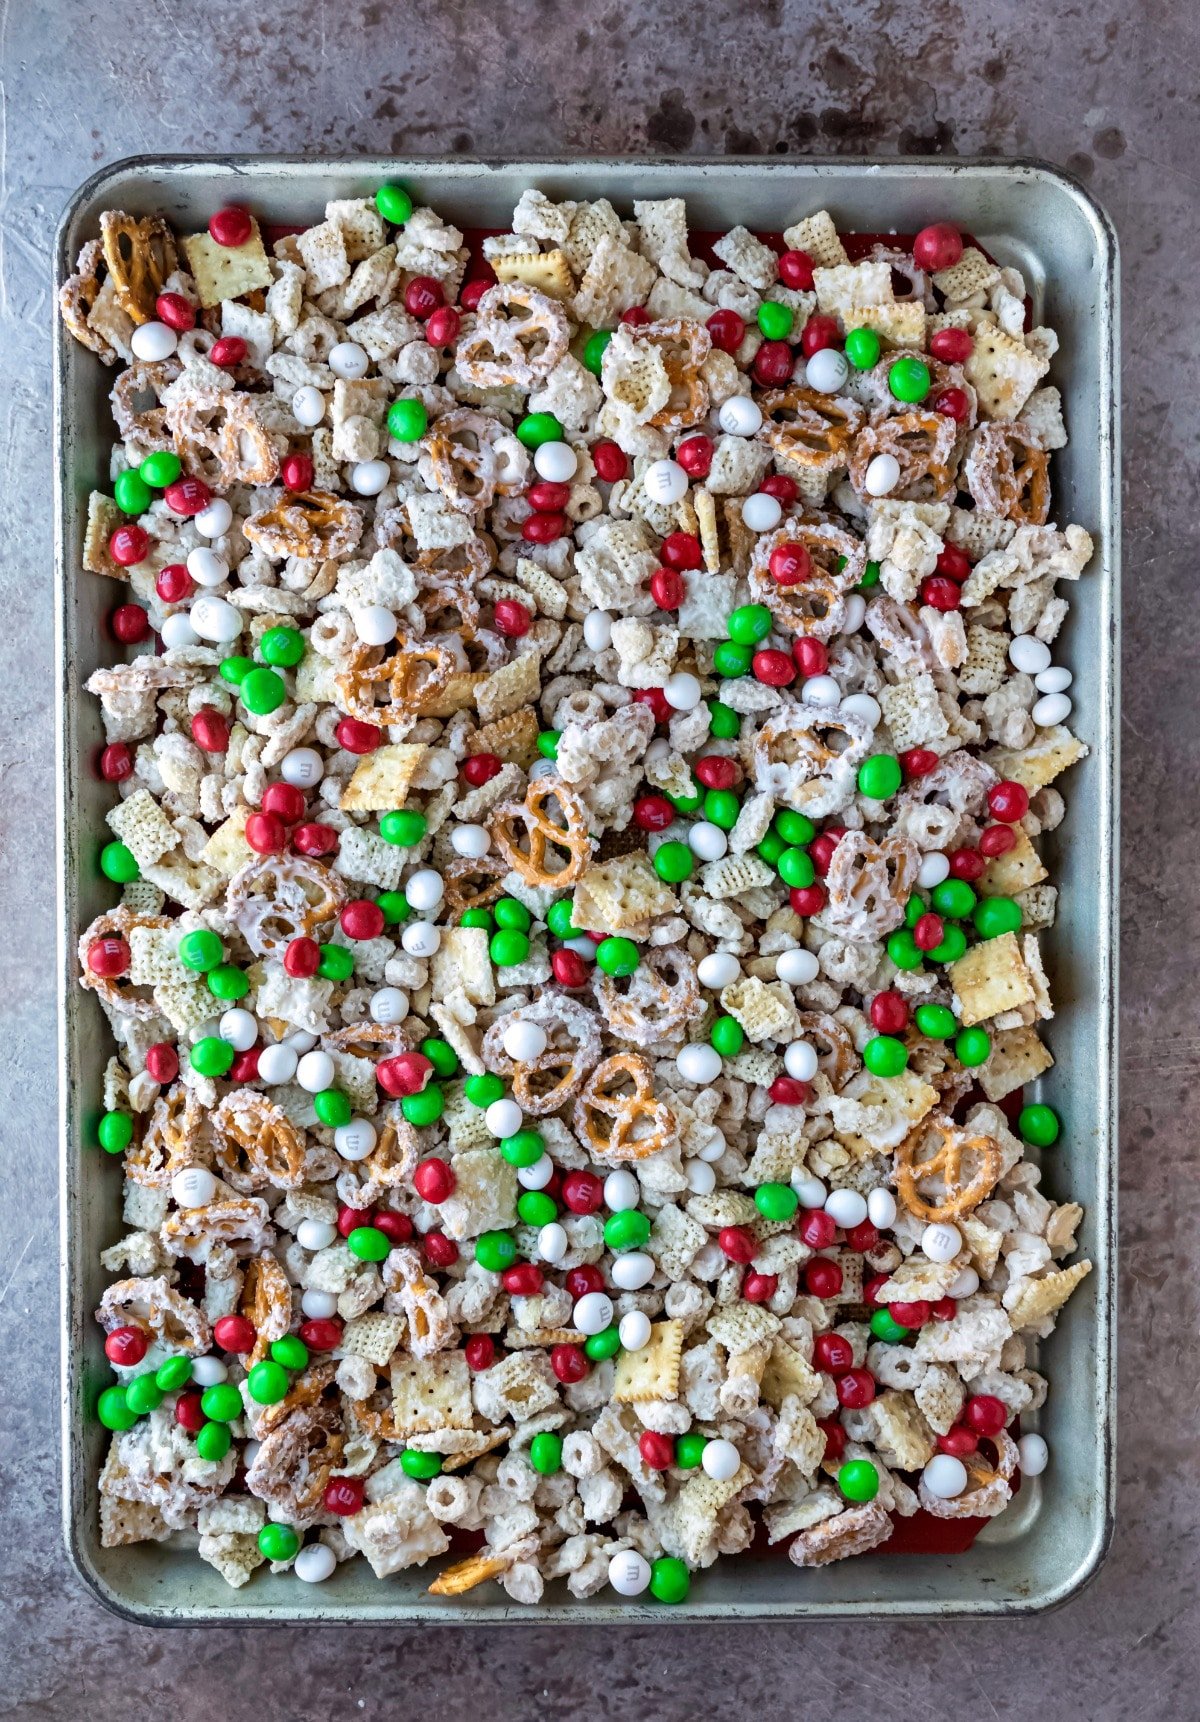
column 1109, row 91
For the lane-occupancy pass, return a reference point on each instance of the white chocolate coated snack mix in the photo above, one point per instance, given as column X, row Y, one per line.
column 583, row 724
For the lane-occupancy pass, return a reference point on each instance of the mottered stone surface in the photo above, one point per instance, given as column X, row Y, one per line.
column 1106, row 90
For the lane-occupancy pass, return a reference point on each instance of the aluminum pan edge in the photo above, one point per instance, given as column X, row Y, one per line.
column 898, row 1586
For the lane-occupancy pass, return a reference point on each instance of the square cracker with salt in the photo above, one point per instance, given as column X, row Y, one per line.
column 991, row 978
column 431, row 1393
column 381, row 780
column 652, row 1372
column 226, row 271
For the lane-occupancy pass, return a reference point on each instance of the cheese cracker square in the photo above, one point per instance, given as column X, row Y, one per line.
column 381, row 780
column 991, row 978
column 431, row 1393
column 227, row 271
column 652, row 1372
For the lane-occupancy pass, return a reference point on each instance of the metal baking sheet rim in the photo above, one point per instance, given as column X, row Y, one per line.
column 899, row 1586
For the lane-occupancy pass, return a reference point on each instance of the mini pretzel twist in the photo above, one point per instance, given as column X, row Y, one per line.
column 613, row 1124
column 836, row 1055
column 941, row 1151
column 923, row 444
column 175, row 1136
column 266, row 1302
column 809, row 433
column 410, row 679
column 543, row 1084
column 117, row 991
column 273, row 1147
column 1008, row 473
column 869, row 884
column 807, row 757
column 466, row 1574
column 312, row 524
column 145, row 425
column 684, row 345
column 279, row 898
column 140, row 255
column 817, row 605
column 528, row 820
column 77, row 297
column 472, row 882
column 520, row 349
column 660, row 998
column 219, row 436
column 459, row 458
column 989, row 1487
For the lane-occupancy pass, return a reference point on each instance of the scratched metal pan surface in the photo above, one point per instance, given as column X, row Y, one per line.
column 1054, row 1536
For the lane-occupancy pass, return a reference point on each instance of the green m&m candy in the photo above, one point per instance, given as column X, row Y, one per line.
column 937, row 1022
column 278, row 1542
column 424, row 1108
column 368, row 1243
column 483, row 1089
column 507, row 912
column 862, row 348
column 627, row 1230
column 776, row 1201
column 143, row 1395
column 535, row 1208
column 1039, row 1125
column 115, row 1132
column 617, row 956
column 227, row 982
column 880, row 776
column 212, row 1056
column 262, row 691
column 884, row 1326
column 525, row 1148
column 235, row 670
column 593, row 350
column 909, row 379
column 509, row 946
column 221, row 1403
column 674, row 862
column 858, row 1480
column 332, row 1108
column 796, row 868
column 394, row 204
column 775, row 321
column 213, row 1441
column 870, row 577
column 771, row 848
column 282, row 646
column 670, row 1580
column 545, row 1452
column 685, row 803
column 131, row 492
column 996, row 915
column 689, row 1450
column 114, row 1411
column 422, row 1466
column 477, row 918
column 117, row 863
column 558, row 919
column 200, row 950
column 724, row 722
column 598, row 1346
column 290, row 1351
column 495, row 1251
column 547, row 743
column 953, row 897
column 336, row 963
column 407, row 420
column 441, row 1055
column 903, row 949
column 731, row 660
column 794, row 828
column 267, row 1382
column 749, row 624
column 727, row 1036
column 404, row 827
column 174, row 1373
column 972, row 1046
column 537, row 428
column 160, row 468
column 884, row 1055
column 721, row 807
column 952, row 947
column 913, row 910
